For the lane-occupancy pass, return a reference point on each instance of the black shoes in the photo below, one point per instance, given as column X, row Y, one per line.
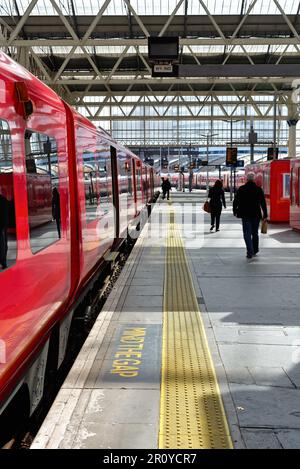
column 212, row 227
column 249, row 256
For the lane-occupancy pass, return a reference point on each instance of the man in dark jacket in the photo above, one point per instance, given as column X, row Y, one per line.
column 166, row 186
column 3, row 231
column 250, row 205
column 56, row 209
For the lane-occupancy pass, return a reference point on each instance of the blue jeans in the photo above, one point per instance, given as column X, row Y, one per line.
column 250, row 230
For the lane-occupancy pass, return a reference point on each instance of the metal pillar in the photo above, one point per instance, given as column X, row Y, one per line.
column 231, row 140
column 207, row 168
column 274, row 128
column 293, row 118
column 251, row 144
column 292, row 140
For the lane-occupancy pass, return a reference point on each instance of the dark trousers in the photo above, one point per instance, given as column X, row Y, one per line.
column 250, row 230
column 3, row 246
column 215, row 216
column 166, row 192
column 58, row 227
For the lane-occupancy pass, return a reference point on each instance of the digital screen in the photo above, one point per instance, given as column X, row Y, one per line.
column 163, row 48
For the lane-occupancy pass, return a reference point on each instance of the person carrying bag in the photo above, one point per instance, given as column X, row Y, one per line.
column 217, row 200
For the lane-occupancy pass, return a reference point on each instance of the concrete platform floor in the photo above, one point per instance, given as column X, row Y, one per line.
column 253, row 315
column 251, row 311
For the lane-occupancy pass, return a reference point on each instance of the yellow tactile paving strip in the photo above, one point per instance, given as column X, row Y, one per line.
column 191, row 409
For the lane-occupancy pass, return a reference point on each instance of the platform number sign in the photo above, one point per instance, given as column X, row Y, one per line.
column 231, row 156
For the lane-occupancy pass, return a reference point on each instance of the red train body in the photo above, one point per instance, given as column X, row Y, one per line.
column 101, row 189
column 295, row 194
column 274, row 178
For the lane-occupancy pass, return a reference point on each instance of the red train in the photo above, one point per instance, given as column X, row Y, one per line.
column 53, row 164
column 295, row 194
column 199, row 179
column 274, row 178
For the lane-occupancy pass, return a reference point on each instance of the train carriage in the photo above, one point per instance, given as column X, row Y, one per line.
column 295, row 194
column 274, row 178
column 70, row 192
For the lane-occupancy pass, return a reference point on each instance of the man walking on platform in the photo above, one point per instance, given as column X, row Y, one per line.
column 250, row 205
column 166, row 186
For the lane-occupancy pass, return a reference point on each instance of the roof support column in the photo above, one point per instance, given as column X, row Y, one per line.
column 23, row 57
column 293, row 117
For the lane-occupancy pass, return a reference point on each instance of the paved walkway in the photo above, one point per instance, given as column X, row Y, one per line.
column 253, row 312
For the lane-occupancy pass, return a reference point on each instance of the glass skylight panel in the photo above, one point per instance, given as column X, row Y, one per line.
column 257, row 49
column 43, row 7
column 115, row 7
column 263, row 7
column 206, row 49
column 150, row 7
column 215, row 7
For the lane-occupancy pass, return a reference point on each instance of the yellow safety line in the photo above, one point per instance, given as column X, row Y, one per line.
column 191, row 408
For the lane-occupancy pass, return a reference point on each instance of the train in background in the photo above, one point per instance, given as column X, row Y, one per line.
column 199, row 179
column 295, row 194
column 280, row 180
column 70, row 193
column 274, row 177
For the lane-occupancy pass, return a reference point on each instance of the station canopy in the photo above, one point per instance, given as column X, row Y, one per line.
column 94, row 53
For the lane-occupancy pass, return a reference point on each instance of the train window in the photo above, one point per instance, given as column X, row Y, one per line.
column 8, row 244
column 97, row 181
column 138, row 176
column 42, row 190
column 286, row 185
column 125, row 176
column 91, row 183
column 145, row 183
column 293, row 189
column 266, row 182
column 104, row 186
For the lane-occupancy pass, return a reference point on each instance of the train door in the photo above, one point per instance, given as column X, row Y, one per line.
column 126, row 193
column 115, row 188
column 151, row 182
column 138, row 185
column 144, row 184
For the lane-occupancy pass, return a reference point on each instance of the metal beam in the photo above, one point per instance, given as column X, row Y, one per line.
column 22, row 21
column 217, row 27
column 175, row 81
column 171, row 17
column 188, row 118
column 175, row 92
column 183, row 102
column 138, row 19
column 253, row 70
column 258, row 41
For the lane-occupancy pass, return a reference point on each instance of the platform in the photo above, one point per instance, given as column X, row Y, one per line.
column 196, row 347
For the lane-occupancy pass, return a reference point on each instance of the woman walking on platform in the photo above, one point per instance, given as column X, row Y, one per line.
column 217, row 198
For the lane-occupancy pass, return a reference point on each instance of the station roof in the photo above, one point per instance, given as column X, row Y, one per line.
column 99, row 47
